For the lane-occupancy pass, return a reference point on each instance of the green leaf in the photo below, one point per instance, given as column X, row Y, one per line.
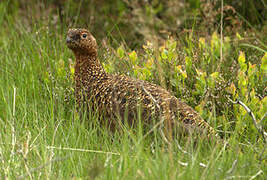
column 215, row 40
column 214, row 75
column 183, row 73
column 188, row 63
column 133, row 57
column 173, row 45
column 241, row 58
column 251, row 69
column 242, row 61
column 120, row 52
column 264, row 62
column 239, row 37
column 164, row 54
column 201, row 42
column 264, row 101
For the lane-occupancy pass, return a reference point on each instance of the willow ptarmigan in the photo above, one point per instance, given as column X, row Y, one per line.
column 119, row 97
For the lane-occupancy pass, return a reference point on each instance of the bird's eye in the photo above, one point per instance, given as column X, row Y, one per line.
column 84, row 35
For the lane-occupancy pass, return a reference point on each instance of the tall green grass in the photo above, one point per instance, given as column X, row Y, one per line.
column 41, row 135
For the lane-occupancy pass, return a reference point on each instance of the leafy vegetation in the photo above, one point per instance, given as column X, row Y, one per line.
column 177, row 45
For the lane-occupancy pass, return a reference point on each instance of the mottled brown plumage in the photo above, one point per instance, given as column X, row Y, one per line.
column 120, row 97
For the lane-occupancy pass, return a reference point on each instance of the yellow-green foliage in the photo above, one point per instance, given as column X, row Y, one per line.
column 199, row 75
column 249, row 75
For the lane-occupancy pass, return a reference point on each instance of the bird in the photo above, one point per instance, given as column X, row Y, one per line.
column 120, row 98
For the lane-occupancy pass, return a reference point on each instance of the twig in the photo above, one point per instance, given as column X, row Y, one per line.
column 257, row 125
column 247, row 109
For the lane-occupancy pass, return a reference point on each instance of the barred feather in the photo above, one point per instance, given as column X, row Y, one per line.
column 120, row 96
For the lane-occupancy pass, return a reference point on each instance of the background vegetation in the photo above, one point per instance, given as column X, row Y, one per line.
column 202, row 53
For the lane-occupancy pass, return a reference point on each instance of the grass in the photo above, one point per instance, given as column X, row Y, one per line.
column 41, row 135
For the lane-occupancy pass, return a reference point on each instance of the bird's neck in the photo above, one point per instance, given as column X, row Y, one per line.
column 88, row 67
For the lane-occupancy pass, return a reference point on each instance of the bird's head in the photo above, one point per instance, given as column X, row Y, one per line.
column 81, row 41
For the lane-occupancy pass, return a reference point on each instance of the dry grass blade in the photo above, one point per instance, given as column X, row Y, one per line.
column 82, row 150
